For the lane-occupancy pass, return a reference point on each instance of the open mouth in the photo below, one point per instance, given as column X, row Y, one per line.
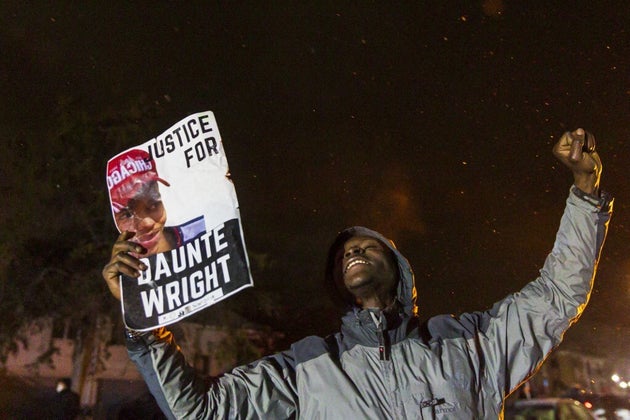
column 147, row 238
column 355, row 261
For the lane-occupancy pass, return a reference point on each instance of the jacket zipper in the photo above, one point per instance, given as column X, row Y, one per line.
column 383, row 353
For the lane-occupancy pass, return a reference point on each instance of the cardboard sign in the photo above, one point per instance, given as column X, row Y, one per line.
column 175, row 193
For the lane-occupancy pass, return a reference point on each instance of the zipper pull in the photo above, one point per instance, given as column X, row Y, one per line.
column 382, row 348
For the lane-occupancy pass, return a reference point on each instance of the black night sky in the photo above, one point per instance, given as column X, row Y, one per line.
column 432, row 122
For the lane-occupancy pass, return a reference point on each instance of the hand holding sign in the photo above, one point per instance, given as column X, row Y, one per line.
column 122, row 261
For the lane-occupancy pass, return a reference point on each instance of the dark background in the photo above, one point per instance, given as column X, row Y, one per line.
column 432, row 122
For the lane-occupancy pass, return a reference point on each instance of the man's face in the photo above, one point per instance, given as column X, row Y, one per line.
column 145, row 215
column 367, row 266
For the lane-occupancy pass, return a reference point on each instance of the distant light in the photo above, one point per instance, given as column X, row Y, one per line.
column 587, row 404
column 624, row 385
column 615, row 377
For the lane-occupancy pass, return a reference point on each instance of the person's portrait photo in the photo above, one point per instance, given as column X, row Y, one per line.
column 134, row 190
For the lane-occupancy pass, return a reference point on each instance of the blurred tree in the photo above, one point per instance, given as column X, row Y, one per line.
column 57, row 229
column 236, row 349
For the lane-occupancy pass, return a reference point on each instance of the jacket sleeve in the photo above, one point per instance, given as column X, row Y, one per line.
column 263, row 389
column 518, row 333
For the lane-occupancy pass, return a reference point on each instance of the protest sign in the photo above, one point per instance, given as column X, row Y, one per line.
column 175, row 193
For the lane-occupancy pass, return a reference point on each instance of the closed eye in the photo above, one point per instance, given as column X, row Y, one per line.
column 372, row 245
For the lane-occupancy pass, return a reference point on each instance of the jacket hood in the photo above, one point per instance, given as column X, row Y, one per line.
column 406, row 290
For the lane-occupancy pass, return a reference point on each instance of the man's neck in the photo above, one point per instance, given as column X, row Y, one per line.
column 376, row 302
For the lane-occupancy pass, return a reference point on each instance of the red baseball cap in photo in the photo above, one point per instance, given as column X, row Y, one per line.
column 127, row 173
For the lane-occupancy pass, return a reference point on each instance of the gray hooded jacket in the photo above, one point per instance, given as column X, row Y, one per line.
column 392, row 366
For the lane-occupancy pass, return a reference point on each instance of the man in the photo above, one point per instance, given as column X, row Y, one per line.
column 66, row 405
column 385, row 363
column 137, row 206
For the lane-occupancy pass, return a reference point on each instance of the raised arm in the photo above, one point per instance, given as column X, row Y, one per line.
column 263, row 389
column 520, row 331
